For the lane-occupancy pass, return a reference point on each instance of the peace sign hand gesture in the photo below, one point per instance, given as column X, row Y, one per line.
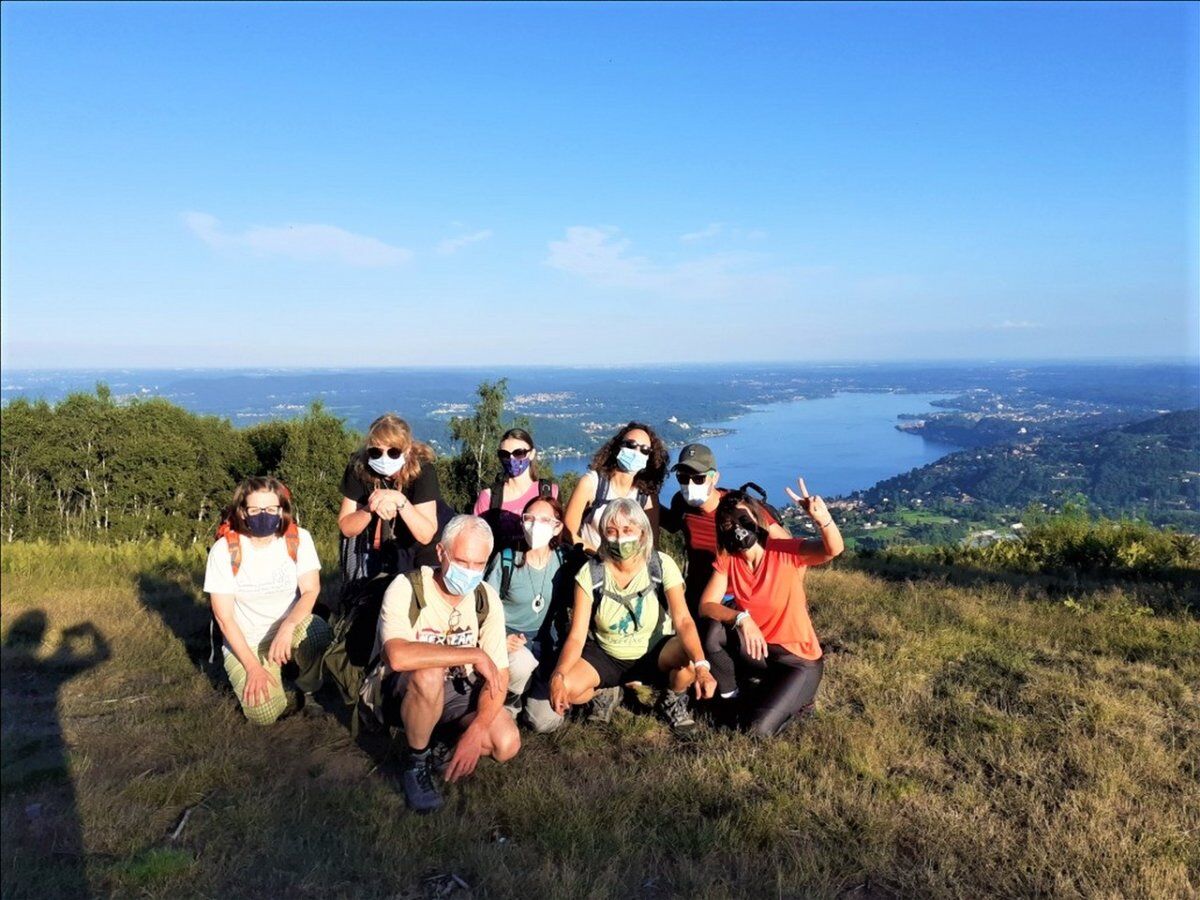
column 812, row 505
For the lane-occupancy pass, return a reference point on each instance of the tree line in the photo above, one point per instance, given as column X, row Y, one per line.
column 92, row 468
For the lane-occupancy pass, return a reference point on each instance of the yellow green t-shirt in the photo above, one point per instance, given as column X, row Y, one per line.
column 625, row 624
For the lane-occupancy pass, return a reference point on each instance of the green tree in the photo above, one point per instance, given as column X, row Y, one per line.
column 311, row 465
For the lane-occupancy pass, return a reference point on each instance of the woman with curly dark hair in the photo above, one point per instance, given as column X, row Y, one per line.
column 390, row 503
column 633, row 465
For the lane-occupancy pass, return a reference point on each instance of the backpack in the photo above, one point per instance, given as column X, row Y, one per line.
column 511, row 560
column 601, row 500
column 233, row 542
column 350, row 657
column 494, row 514
column 750, row 489
column 596, row 574
column 373, row 551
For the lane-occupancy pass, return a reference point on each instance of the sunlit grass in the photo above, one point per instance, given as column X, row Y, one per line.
column 970, row 740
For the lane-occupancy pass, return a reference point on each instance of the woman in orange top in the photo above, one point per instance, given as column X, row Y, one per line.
column 765, row 640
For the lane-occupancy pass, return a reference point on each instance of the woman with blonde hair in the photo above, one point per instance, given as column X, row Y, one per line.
column 263, row 576
column 630, row 623
column 390, row 503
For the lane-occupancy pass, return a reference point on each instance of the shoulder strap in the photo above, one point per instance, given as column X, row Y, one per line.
column 481, row 605
column 508, row 562
column 496, row 500
column 545, row 488
column 292, row 538
column 654, row 567
column 602, row 484
column 417, row 581
column 233, row 541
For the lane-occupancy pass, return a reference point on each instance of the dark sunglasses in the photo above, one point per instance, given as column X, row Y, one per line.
column 629, row 444
column 376, row 452
column 519, row 453
column 684, row 478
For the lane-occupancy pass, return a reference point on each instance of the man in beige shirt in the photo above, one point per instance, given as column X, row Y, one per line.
column 444, row 660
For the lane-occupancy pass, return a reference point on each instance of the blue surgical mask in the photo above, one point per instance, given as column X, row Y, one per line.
column 460, row 580
column 631, row 460
column 263, row 524
column 386, row 466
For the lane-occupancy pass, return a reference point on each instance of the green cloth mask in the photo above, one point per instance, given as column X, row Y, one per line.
column 626, row 549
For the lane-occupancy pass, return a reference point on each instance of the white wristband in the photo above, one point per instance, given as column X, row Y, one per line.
column 702, row 664
column 737, row 620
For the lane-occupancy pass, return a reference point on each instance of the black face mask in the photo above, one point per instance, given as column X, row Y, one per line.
column 742, row 536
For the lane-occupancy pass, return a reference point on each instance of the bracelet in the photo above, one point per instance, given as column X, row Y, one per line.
column 701, row 664
column 826, row 525
column 737, row 620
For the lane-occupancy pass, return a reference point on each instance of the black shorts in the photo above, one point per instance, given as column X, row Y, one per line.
column 614, row 672
column 460, row 696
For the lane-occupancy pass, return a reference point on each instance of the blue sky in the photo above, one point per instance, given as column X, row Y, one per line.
column 317, row 185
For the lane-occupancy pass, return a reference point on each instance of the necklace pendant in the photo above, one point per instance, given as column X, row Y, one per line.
column 539, row 603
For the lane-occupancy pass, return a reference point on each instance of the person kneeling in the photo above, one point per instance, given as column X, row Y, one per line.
column 630, row 623
column 444, row 662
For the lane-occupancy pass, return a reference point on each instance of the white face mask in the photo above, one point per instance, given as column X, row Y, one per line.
column 696, row 494
column 537, row 534
column 386, row 466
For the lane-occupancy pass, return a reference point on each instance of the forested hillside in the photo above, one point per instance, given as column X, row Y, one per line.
column 1149, row 469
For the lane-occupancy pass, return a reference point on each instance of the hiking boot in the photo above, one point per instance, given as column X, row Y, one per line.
column 674, row 708
column 417, row 780
column 603, row 705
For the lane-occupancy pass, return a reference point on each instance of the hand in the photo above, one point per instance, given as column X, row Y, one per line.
column 754, row 645
column 515, row 642
column 466, row 754
column 386, row 503
column 559, row 699
column 281, row 645
column 705, row 684
column 258, row 687
column 486, row 669
column 814, row 507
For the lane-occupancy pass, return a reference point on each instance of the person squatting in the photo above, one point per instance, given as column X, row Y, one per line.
column 453, row 628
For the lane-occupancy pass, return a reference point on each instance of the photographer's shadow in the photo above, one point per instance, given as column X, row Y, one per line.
column 36, row 763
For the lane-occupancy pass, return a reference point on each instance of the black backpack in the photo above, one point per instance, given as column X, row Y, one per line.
column 653, row 565
column 495, row 511
column 601, row 500
column 750, row 489
column 350, row 656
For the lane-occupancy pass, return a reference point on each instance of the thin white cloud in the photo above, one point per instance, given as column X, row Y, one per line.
column 601, row 256
column 451, row 246
column 1015, row 325
column 321, row 243
column 709, row 231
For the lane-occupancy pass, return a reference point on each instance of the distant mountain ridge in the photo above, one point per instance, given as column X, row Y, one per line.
column 1149, row 468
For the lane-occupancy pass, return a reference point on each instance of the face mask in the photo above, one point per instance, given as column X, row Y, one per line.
column 386, row 466
column 263, row 524
column 624, row 548
column 744, row 535
column 696, row 494
column 514, row 467
column 631, row 460
column 459, row 580
column 537, row 535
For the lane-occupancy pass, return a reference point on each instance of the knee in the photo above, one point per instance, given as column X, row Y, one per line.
column 428, row 684
column 265, row 713
column 506, row 742
column 713, row 636
column 314, row 633
column 541, row 716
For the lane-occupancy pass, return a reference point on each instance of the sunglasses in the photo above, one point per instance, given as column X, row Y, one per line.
column 629, row 444
column 392, row 452
column 519, row 453
column 684, row 478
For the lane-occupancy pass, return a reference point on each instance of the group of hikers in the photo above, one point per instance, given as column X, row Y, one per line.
column 524, row 608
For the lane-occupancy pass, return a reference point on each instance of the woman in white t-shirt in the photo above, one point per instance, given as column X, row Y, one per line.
column 264, row 576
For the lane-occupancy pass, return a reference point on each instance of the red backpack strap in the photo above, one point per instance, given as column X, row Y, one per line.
column 292, row 538
column 233, row 541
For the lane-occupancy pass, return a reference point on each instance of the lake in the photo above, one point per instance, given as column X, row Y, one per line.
column 838, row 444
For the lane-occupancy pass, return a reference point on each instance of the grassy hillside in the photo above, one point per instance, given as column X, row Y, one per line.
column 975, row 739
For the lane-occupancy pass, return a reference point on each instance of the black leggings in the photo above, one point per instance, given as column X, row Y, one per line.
column 786, row 684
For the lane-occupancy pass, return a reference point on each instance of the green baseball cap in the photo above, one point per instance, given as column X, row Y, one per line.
column 696, row 458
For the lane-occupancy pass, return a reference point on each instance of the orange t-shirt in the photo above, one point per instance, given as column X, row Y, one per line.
column 774, row 595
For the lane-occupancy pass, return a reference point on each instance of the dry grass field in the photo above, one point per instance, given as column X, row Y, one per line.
column 971, row 740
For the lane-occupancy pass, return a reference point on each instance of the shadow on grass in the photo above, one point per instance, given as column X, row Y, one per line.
column 43, row 840
column 1176, row 590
